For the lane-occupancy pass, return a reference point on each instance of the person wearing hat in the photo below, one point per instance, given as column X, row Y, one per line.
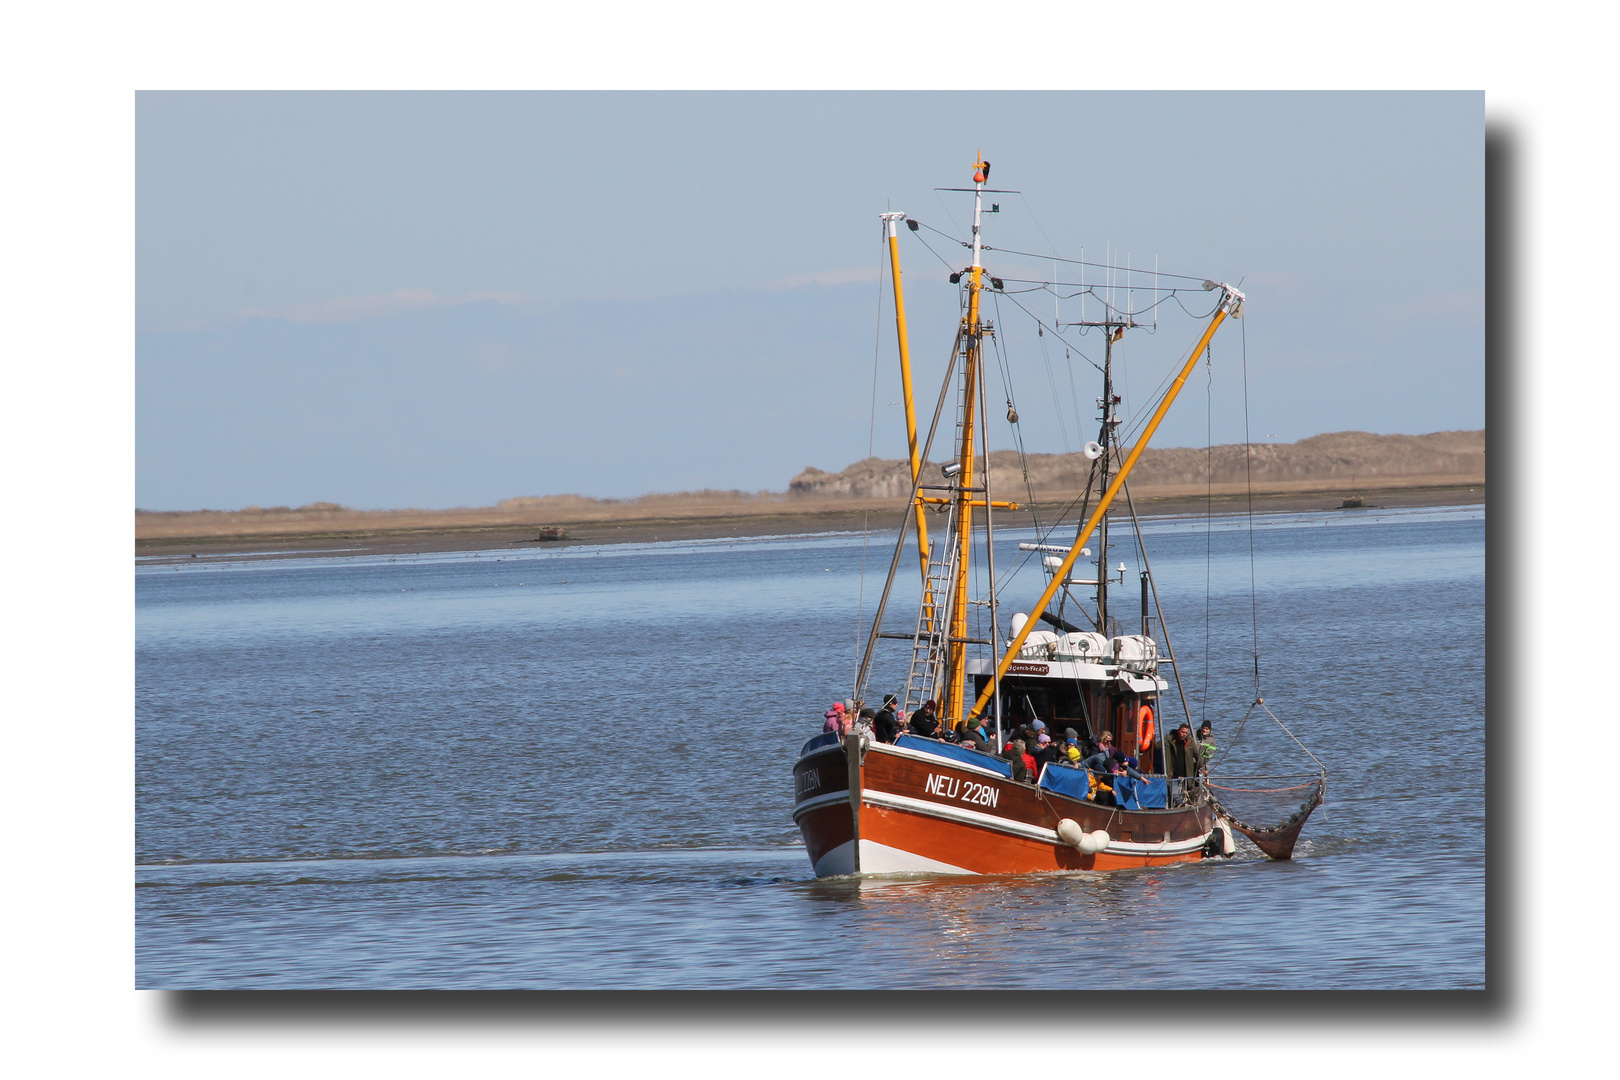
column 1119, row 762
column 923, row 722
column 885, row 725
column 1046, row 751
column 1206, row 746
column 835, row 716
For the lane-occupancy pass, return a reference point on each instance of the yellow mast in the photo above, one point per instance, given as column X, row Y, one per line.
column 1231, row 303
column 893, row 220
column 951, row 697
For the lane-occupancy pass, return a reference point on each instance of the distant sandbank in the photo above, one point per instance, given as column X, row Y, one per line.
column 1319, row 473
column 461, row 530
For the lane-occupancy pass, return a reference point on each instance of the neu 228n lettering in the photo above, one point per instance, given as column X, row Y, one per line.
column 969, row 791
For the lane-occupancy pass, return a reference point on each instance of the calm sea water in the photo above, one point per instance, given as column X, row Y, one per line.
column 572, row 768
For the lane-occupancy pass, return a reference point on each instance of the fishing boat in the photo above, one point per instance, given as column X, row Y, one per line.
column 866, row 803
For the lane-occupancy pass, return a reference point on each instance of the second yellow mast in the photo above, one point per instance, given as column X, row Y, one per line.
column 893, row 219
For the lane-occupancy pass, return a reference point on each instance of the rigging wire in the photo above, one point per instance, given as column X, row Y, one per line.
column 1031, row 211
column 1153, row 587
column 1053, row 330
column 1082, row 262
column 1040, row 285
column 942, row 260
column 1012, row 421
column 1081, row 288
column 1248, row 474
column 1254, row 606
column 1209, row 515
column 1030, row 254
column 906, row 520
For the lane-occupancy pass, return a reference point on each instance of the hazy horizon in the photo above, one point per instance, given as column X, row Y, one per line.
column 784, row 490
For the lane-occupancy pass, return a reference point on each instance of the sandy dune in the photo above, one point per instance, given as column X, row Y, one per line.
column 1445, row 467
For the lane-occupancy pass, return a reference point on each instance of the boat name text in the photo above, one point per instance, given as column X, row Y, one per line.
column 806, row 781
column 1028, row 669
column 969, row 791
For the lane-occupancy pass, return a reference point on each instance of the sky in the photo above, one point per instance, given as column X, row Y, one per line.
column 446, row 299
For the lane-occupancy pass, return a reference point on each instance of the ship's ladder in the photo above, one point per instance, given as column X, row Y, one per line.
column 928, row 646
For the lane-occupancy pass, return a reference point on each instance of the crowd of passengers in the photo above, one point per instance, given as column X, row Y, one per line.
column 1029, row 746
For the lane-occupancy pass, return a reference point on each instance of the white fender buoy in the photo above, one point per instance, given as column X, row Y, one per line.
column 1094, row 842
column 1228, row 847
column 1070, row 832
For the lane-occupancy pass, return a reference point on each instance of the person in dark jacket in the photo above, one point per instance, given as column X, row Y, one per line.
column 1119, row 763
column 923, row 722
column 1183, row 753
column 885, row 725
column 1046, row 751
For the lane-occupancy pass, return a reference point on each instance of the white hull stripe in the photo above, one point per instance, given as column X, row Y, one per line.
column 1018, row 828
column 820, row 801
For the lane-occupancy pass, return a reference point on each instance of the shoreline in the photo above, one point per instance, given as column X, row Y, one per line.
column 879, row 516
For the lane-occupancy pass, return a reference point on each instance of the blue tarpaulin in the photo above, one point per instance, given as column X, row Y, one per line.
column 956, row 753
column 1066, row 781
column 1131, row 794
column 1141, row 794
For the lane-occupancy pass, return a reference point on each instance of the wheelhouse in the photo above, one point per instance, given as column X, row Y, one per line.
column 1082, row 681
